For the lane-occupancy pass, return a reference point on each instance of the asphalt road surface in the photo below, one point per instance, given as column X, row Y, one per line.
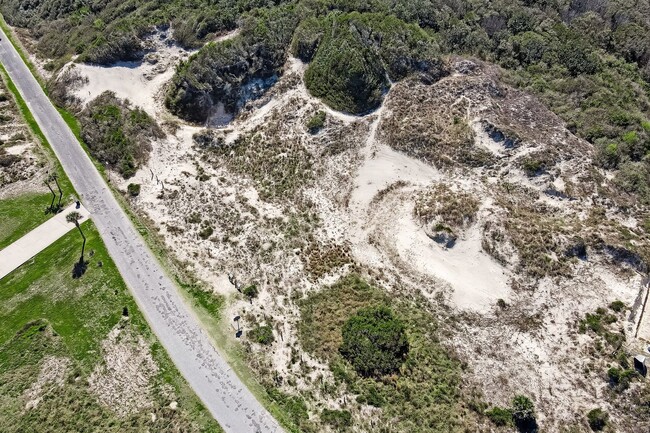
column 225, row 396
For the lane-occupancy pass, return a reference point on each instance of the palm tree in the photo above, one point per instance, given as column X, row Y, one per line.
column 74, row 217
column 55, row 178
column 49, row 179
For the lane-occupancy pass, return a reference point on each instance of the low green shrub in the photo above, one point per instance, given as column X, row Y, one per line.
column 262, row 335
column 206, row 232
column 523, row 413
column 316, row 122
column 250, row 291
column 338, row 419
column 133, row 189
column 619, row 379
column 617, row 306
column 499, row 416
column 597, row 419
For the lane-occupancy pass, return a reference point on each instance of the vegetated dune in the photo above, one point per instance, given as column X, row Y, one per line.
column 505, row 207
column 272, row 204
column 23, row 167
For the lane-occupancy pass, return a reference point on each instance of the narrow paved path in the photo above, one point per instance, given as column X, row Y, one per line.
column 225, row 396
column 37, row 240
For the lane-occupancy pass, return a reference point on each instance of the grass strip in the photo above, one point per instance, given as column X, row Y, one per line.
column 20, row 215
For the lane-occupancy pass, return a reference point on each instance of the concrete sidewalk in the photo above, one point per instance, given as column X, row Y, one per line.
column 38, row 239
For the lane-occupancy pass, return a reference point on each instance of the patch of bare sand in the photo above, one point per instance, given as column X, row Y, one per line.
column 476, row 280
column 51, row 376
column 533, row 346
column 122, row 381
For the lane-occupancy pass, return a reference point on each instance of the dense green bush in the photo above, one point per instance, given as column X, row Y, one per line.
column 374, row 342
column 617, row 306
column 316, row 122
column 597, row 419
column 523, row 413
column 220, row 72
column 117, row 134
column 306, row 38
column 133, row 189
column 620, row 378
column 347, row 76
column 250, row 291
column 358, row 54
column 108, row 31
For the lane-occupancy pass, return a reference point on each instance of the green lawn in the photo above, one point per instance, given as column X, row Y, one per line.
column 82, row 310
column 19, row 215
column 44, row 311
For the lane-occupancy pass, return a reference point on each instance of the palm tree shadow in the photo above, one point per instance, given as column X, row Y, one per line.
column 79, row 268
column 527, row 426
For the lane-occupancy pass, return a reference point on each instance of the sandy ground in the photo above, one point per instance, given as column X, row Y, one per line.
column 139, row 82
column 27, row 172
column 364, row 199
column 51, row 376
column 123, row 380
column 38, row 239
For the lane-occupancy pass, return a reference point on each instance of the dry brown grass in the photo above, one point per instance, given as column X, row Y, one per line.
column 430, row 122
column 538, row 234
column 320, row 260
column 440, row 205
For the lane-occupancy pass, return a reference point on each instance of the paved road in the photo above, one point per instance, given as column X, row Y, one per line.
column 229, row 401
column 37, row 240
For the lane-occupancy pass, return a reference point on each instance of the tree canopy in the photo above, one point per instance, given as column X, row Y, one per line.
column 374, row 342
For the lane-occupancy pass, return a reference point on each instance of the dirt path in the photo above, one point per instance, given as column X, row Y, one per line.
column 643, row 327
column 37, row 240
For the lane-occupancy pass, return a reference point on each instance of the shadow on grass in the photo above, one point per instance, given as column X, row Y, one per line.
column 79, row 268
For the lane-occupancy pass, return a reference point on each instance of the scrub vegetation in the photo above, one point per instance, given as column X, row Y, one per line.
column 117, row 134
column 357, row 54
column 589, row 61
column 453, row 76
column 409, row 375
